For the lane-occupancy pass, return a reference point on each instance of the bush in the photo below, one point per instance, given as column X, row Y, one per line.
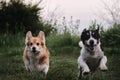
column 111, row 37
column 16, row 16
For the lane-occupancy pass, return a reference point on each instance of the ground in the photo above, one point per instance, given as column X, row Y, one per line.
column 63, row 66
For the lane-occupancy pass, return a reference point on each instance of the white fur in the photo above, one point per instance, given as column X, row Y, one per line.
column 91, row 38
column 102, row 63
column 33, row 65
column 27, row 65
column 85, row 55
column 43, row 68
column 81, row 44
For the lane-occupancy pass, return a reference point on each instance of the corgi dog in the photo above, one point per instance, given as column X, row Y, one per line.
column 36, row 54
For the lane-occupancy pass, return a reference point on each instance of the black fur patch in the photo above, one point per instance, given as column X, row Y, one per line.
column 87, row 33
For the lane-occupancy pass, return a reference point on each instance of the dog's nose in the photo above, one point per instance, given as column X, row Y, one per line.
column 91, row 42
column 34, row 49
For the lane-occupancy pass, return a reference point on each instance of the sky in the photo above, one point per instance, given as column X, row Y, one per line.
column 85, row 10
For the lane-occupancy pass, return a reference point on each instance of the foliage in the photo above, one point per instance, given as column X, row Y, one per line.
column 57, row 41
column 12, row 47
column 16, row 16
column 111, row 37
column 62, row 66
column 66, row 25
column 10, row 40
column 62, row 42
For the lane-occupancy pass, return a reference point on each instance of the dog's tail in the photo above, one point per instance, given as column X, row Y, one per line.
column 80, row 44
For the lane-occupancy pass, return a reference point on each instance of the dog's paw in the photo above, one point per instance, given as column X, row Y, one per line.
column 86, row 72
column 104, row 68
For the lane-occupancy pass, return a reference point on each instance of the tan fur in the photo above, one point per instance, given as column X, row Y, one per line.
column 36, row 61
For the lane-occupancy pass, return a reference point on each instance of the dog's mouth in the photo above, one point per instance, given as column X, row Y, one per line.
column 91, row 47
column 35, row 52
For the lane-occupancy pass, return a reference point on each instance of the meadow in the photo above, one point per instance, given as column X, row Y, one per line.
column 64, row 51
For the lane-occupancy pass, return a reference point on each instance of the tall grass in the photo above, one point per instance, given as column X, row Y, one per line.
column 111, row 37
column 64, row 42
column 63, row 65
column 64, row 52
column 56, row 43
column 9, row 40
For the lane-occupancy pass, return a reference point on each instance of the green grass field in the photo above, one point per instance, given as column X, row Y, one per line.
column 63, row 63
column 63, row 66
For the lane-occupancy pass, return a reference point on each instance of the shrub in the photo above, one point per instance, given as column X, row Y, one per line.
column 16, row 16
column 111, row 37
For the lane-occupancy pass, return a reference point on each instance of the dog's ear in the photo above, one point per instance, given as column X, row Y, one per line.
column 28, row 36
column 42, row 36
column 98, row 27
column 84, row 30
column 81, row 37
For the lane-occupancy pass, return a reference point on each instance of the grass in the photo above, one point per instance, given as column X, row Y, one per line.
column 63, row 62
column 62, row 66
column 12, row 67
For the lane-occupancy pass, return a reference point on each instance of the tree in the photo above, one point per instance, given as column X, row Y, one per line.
column 16, row 16
column 111, row 12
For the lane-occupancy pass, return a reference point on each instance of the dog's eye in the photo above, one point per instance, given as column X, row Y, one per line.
column 87, row 33
column 31, row 44
column 42, row 43
column 38, row 44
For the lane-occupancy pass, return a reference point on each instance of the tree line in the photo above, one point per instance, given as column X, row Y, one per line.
column 16, row 16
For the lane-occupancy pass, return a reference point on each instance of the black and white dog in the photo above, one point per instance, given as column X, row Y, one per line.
column 92, row 56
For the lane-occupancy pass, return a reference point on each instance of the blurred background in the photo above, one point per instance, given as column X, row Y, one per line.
column 62, row 21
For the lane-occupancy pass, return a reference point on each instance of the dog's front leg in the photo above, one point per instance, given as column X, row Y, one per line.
column 27, row 64
column 103, row 62
column 46, row 70
column 84, row 66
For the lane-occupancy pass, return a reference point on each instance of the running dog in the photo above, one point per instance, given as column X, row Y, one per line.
column 92, row 55
column 36, row 54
